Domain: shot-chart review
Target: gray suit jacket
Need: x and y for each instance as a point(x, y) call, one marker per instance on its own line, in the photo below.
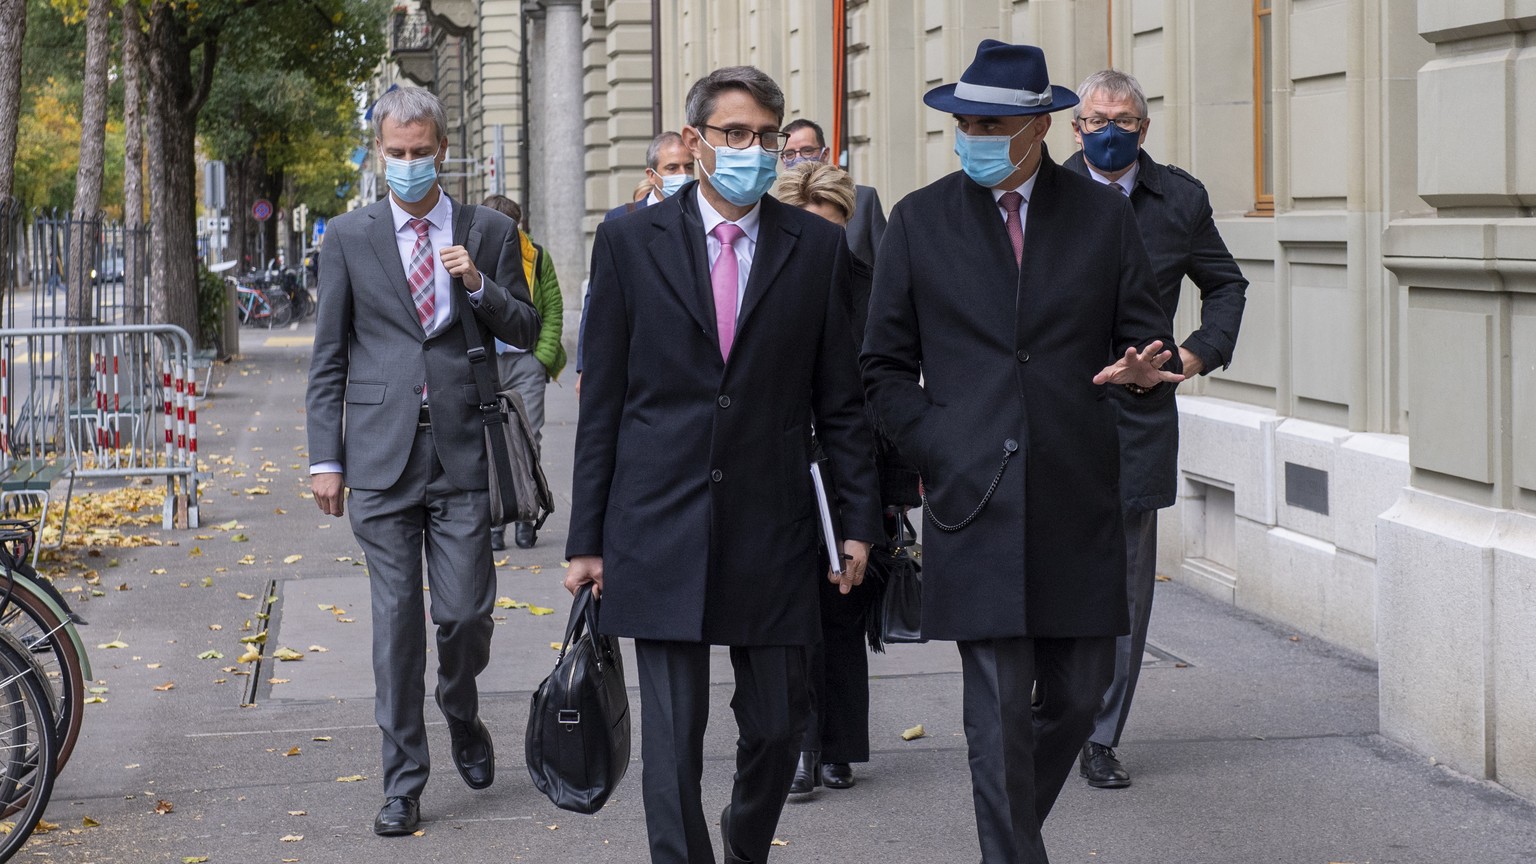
point(371, 356)
point(867, 225)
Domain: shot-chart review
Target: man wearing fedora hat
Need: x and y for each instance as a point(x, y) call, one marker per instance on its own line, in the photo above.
point(1010, 297)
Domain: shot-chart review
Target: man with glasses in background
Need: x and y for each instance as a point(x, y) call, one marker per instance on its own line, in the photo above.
point(1174, 216)
point(807, 144)
point(720, 322)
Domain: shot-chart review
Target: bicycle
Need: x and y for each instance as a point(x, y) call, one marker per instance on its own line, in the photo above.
point(257, 304)
point(28, 743)
point(37, 614)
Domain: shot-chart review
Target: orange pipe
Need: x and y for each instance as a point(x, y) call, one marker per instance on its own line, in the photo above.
point(839, 76)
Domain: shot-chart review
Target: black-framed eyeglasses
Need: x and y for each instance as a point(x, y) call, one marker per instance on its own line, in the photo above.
point(804, 153)
point(740, 139)
point(1124, 124)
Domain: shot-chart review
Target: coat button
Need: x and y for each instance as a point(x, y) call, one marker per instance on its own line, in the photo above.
point(1022, 355)
point(725, 401)
point(418, 389)
point(717, 475)
point(1010, 446)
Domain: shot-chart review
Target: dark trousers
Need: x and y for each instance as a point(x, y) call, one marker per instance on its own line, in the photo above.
point(839, 679)
point(1020, 758)
point(424, 511)
point(770, 705)
point(1140, 580)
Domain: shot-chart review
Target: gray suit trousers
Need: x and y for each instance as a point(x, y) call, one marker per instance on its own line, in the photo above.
point(424, 511)
point(1140, 580)
point(1021, 758)
point(526, 375)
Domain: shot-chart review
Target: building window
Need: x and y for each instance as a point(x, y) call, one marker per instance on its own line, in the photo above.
point(1263, 111)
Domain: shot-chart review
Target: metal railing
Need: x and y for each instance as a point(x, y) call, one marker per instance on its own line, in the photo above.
point(105, 400)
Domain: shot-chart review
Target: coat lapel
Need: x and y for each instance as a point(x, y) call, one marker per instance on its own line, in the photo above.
point(381, 235)
point(775, 242)
point(678, 250)
point(984, 220)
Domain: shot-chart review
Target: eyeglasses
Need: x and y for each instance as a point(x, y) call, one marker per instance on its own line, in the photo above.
point(741, 139)
point(804, 153)
point(1124, 124)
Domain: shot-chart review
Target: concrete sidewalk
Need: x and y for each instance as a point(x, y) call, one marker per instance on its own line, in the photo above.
point(1246, 744)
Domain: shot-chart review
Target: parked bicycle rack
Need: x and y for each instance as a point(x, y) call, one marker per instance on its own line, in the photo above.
point(80, 402)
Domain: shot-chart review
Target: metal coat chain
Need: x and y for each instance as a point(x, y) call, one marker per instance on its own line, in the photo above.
point(996, 479)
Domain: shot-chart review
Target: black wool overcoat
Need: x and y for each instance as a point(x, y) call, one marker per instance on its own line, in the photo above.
point(692, 475)
point(1008, 354)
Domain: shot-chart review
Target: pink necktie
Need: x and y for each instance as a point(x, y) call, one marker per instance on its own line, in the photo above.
point(1011, 202)
point(422, 272)
point(724, 278)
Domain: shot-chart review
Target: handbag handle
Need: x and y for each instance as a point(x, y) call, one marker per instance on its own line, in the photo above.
point(583, 620)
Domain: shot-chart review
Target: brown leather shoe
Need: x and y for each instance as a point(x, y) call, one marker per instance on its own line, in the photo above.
point(1100, 767)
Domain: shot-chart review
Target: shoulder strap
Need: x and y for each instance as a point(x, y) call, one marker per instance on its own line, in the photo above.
point(479, 356)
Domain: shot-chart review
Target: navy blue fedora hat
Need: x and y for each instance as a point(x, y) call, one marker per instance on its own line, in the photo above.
point(1004, 80)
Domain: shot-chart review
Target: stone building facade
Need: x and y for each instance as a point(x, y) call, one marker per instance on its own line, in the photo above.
point(1365, 472)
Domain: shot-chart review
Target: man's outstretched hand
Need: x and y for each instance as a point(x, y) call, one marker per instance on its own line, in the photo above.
point(1143, 368)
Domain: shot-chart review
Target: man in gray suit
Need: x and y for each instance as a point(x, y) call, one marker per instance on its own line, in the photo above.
point(806, 143)
point(387, 337)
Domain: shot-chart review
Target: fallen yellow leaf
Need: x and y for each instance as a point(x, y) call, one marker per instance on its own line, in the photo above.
point(88, 822)
point(251, 655)
point(277, 680)
point(293, 559)
point(914, 733)
point(541, 610)
point(777, 842)
point(195, 859)
point(352, 778)
point(115, 643)
point(244, 596)
point(169, 685)
point(298, 813)
point(287, 655)
point(318, 649)
point(293, 838)
point(292, 751)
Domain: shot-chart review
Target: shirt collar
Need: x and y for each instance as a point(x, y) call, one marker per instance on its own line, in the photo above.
point(748, 223)
point(1026, 189)
point(1127, 180)
point(438, 217)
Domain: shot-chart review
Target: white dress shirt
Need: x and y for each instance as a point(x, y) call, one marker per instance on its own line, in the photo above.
point(1026, 190)
point(440, 235)
point(1127, 181)
point(745, 247)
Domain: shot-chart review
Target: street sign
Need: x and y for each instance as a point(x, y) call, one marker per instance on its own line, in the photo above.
point(261, 211)
point(319, 230)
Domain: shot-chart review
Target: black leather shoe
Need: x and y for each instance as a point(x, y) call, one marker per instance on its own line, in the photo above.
point(524, 535)
point(473, 754)
point(399, 815)
point(498, 539)
point(837, 775)
point(807, 773)
point(1102, 770)
point(725, 837)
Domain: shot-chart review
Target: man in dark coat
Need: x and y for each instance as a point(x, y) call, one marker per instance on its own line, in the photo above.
point(1005, 289)
point(1174, 215)
point(724, 327)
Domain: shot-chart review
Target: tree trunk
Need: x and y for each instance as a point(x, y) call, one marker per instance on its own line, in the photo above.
point(13, 26)
point(135, 277)
point(175, 100)
point(85, 240)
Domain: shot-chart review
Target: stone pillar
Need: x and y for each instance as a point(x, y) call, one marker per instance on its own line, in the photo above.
point(536, 184)
point(627, 129)
point(1456, 607)
point(563, 182)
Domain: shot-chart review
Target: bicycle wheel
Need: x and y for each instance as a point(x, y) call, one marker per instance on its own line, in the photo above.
point(27, 745)
point(37, 626)
point(282, 307)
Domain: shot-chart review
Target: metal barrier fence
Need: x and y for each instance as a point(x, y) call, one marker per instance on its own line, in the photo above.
point(115, 272)
point(98, 401)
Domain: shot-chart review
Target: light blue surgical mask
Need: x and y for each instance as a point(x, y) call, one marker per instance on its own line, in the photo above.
point(742, 177)
point(984, 158)
point(411, 179)
point(799, 160)
point(673, 182)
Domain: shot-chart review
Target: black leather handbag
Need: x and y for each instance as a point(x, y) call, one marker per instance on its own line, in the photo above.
point(895, 611)
point(578, 726)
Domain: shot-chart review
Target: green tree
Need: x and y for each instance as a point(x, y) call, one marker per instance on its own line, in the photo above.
point(336, 41)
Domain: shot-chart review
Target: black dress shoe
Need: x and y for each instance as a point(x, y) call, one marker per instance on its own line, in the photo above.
point(473, 754)
point(807, 773)
point(725, 837)
point(399, 815)
point(498, 539)
point(837, 775)
point(1102, 770)
point(524, 535)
